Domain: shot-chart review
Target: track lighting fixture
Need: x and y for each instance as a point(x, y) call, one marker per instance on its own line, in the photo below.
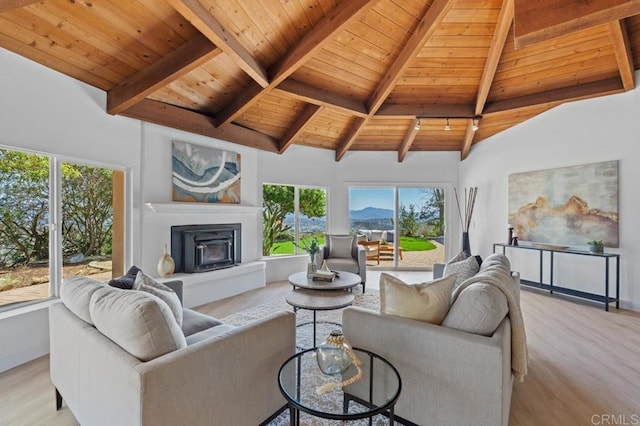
point(447, 126)
point(417, 126)
point(474, 124)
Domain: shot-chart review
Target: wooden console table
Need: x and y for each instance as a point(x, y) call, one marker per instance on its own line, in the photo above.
point(606, 299)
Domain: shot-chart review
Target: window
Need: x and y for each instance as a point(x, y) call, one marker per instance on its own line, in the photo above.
point(292, 216)
point(408, 222)
point(57, 218)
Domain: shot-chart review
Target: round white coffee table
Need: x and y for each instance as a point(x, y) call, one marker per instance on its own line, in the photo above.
point(346, 280)
point(318, 300)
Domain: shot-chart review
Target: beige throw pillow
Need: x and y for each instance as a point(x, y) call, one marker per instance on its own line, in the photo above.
point(340, 245)
point(428, 301)
point(147, 284)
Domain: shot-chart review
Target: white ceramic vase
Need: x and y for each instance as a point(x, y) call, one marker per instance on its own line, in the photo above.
point(166, 265)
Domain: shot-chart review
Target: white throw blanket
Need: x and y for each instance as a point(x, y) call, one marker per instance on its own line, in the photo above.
point(494, 275)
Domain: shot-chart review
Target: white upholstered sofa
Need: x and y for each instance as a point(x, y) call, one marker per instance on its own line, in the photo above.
point(449, 376)
point(218, 374)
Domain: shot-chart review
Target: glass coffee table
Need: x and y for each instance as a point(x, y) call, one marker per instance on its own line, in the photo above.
point(376, 393)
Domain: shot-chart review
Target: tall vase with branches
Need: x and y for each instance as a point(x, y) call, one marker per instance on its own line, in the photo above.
point(466, 214)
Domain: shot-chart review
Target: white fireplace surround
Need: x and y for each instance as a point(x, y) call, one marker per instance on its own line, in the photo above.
point(205, 287)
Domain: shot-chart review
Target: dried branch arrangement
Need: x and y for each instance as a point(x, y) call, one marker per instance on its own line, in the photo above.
point(469, 203)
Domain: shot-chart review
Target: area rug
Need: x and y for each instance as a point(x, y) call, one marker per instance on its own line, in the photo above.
point(326, 321)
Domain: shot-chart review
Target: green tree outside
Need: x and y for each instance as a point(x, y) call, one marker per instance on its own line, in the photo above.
point(24, 209)
point(278, 201)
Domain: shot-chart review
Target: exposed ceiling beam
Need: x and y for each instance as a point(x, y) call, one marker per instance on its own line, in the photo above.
point(430, 21)
point(333, 23)
point(584, 91)
point(408, 139)
point(468, 140)
point(624, 56)
point(425, 29)
point(308, 114)
point(170, 68)
point(350, 138)
point(495, 52)
point(304, 92)
point(201, 18)
point(15, 4)
point(427, 111)
point(190, 121)
point(541, 20)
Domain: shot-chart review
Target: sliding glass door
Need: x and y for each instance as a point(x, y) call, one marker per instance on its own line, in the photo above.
point(402, 226)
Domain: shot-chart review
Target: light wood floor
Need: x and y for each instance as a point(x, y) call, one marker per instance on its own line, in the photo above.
point(583, 363)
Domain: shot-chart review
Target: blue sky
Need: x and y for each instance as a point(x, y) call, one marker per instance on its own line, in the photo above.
point(359, 198)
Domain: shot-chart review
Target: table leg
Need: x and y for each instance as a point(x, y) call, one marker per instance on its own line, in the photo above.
point(314, 328)
point(606, 284)
point(617, 282)
point(392, 419)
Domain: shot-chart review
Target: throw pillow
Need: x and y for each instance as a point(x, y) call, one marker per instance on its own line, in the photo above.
point(428, 301)
point(147, 284)
point(464, 268)
point(138, 322)
point(340, 245)
point(127, 280)
point(478, 309)
point(76, 292)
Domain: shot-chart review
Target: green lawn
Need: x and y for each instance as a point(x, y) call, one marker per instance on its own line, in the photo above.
point(407, 244)
point(416, 244)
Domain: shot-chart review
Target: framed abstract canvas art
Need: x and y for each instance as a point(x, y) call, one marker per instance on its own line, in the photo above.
point(204, 174)
point(568, 205)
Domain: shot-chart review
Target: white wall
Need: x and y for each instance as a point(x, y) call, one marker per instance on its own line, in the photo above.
point(576, 133)
point(42, 110)
point(317, 167)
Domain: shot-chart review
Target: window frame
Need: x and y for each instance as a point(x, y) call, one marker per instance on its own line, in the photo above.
point(296, 220)
point(55, 218)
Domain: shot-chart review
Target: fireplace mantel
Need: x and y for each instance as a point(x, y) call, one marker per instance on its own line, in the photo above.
point(201, 208)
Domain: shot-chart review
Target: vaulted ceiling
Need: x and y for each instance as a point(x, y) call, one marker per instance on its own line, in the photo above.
point(344, 75)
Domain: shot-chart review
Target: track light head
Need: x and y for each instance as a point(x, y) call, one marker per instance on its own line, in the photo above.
point(474, 124)
point(417, 126)
point(447, 127)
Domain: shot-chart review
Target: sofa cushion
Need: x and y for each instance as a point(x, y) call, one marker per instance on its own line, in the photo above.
point(343, 264)
point(366, 233)
point(428, 301)
point(340, 245)
point(127, 280)
point(194, 322)
point(147, 284)
point(76, 292)
point(376, 235)
point(478, 309)
point(208, 333)
point(138, 322)
point(464, 267)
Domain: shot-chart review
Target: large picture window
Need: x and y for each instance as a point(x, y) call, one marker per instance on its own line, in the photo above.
point(292, 216)
point(57, 218)
point(406, 223)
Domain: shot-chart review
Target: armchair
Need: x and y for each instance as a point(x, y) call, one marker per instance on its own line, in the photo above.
point(342, 253)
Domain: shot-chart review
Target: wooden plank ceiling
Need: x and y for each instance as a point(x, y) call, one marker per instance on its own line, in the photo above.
point(343, 75)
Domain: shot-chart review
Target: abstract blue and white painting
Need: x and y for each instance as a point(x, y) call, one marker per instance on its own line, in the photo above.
point(206, 175)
